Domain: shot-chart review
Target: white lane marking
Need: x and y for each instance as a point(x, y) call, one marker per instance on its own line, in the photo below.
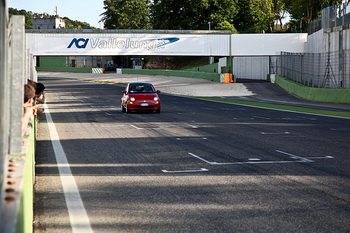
point(185, 139)
point(292, 156)
point(278, 133)
point(78, 217)
point(135, 127)
point(298, 159)
point(321, 157)
point(185, 171)
point(196, 156)
point(192, 126)
point(167, 127)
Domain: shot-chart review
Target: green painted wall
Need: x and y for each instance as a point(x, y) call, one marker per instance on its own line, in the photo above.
point(211, 68)
point(26, 209)
point(65, 69)
point(327, 95)
point(57, 61)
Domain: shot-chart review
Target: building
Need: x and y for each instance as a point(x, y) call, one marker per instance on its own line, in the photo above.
point(48, 23)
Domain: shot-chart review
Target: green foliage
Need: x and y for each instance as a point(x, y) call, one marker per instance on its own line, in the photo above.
point(71, 24)
point(193, 14)
point(27, 15)
point(303, 12)
point(237, 16)
point(256, 16)
point(126, 14)
point(75, 24)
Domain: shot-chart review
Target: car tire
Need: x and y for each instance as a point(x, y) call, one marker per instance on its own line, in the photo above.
point(157, 110)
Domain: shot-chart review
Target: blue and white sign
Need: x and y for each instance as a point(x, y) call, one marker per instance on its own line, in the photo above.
point(45, 44)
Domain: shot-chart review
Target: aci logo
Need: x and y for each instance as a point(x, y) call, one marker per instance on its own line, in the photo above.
point(79, 43)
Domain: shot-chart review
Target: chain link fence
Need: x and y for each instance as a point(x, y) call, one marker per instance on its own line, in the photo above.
point(332, 16)
point(321, 70)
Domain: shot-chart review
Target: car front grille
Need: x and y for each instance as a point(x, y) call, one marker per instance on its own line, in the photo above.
point(145, 107)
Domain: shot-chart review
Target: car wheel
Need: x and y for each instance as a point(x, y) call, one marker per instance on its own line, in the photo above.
point(157, 110)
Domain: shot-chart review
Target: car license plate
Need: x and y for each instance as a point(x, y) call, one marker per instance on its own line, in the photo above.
point(144, 104)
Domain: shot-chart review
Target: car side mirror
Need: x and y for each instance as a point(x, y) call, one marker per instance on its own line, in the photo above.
point(158, 91)
point(124, 92)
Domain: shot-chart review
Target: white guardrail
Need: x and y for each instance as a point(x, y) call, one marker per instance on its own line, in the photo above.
point(16, 67)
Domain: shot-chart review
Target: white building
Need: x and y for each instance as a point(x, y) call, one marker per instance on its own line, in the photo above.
point(48, 23)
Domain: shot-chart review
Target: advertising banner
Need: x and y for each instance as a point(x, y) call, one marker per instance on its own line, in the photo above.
point(95, 44)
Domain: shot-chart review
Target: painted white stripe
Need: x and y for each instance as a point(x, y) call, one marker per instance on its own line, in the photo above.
point(258, 161)
point(79, 220)
point(204, 160)
point(292, 156)
point(186, 139)
point(185, 171)
point(135, 127)
point(279, 133)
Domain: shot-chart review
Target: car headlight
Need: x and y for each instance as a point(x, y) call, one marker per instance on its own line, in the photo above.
point(132, 98)
point(156, 98)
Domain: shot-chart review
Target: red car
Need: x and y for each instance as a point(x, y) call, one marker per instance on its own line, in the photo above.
point(140, 96)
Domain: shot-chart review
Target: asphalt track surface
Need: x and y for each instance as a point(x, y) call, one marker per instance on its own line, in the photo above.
point(198, 166)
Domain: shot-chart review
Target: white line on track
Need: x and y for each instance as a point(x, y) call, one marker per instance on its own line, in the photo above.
point(298, 159)
point(184, 171)
point(278, 133)
point(135, 127)
point(186, 139)
point(78, 217)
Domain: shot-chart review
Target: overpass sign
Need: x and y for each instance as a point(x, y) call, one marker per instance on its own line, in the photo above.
point(104, 44)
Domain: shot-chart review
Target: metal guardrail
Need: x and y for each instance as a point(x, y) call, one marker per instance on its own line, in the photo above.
point(16, 151)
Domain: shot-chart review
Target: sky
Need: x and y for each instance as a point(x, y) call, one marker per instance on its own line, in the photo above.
point(82, 10)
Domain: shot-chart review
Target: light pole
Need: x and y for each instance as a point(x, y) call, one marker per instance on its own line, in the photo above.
point(211, 59)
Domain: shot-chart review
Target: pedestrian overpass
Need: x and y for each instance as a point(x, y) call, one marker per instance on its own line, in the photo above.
point(91, 42)
point(247, 50)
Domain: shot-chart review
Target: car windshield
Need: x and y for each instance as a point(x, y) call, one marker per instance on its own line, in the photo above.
point(141, 88)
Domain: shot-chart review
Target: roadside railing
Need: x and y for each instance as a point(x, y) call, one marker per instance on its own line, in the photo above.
point(16, 151)
point(321, 70)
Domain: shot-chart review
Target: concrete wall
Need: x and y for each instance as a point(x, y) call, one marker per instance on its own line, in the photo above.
point(327, 95)
point(328, 40)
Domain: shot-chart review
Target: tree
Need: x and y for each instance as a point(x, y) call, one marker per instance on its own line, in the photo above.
point(303, 12)
point(126, 14)
point(27, 15)
point(255, 16)
point(193, 14)
point(279, 11)
point(76, 24)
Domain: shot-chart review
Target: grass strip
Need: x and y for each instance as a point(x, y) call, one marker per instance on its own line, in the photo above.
point(280, 107)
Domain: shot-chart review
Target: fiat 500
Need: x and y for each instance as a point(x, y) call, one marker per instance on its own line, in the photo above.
point(140, 96)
